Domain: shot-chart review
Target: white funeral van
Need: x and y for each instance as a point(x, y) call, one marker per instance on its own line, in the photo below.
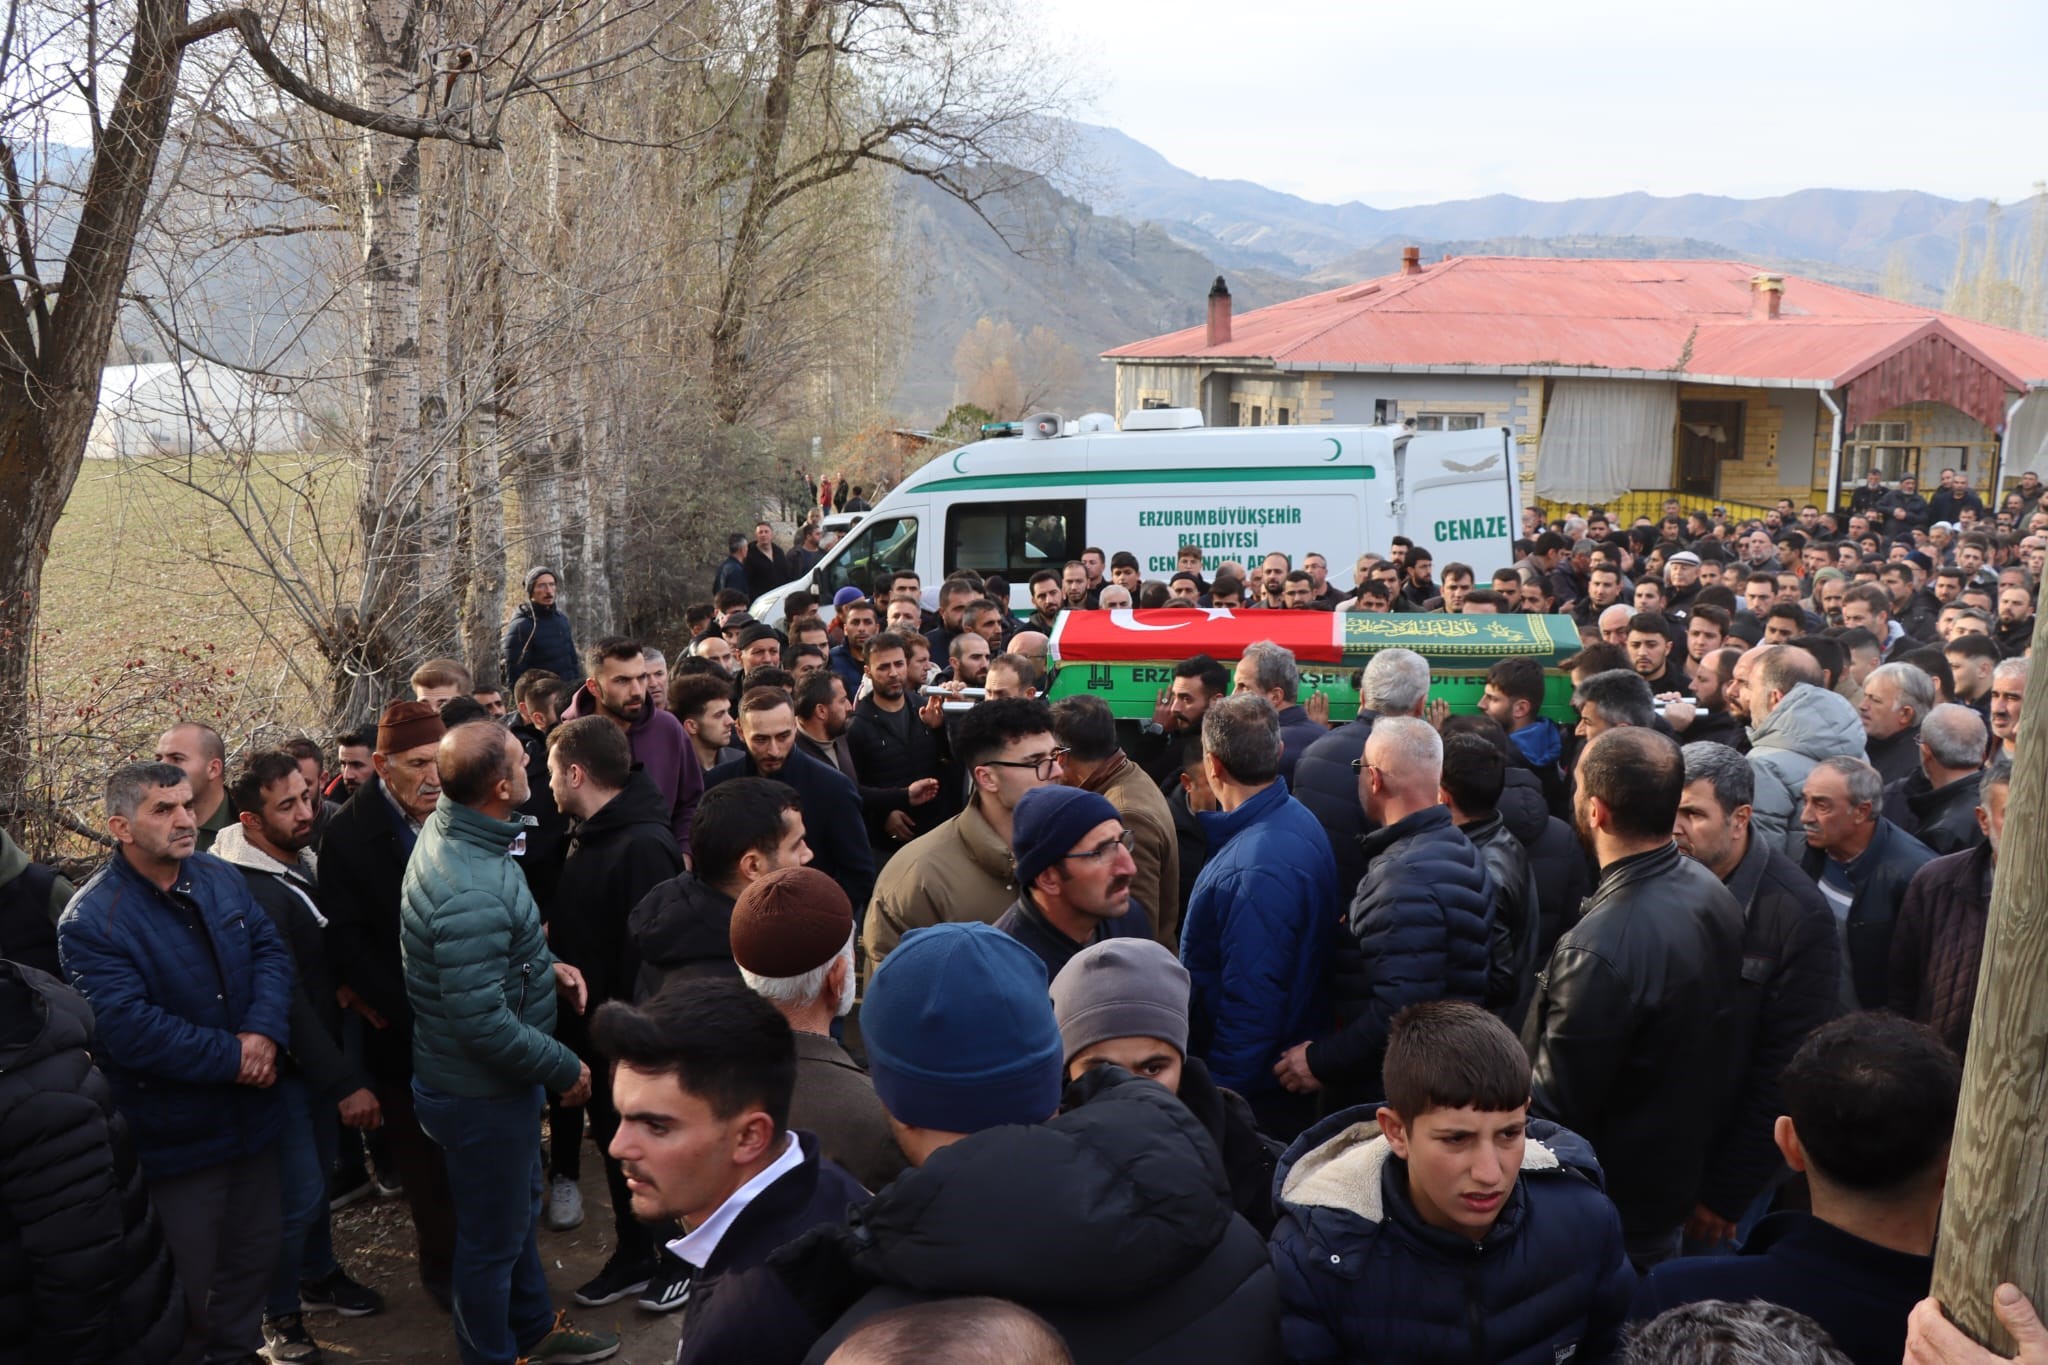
point(1013, 505)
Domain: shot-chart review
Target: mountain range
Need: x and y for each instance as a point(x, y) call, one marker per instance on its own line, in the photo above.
point(1134, 241)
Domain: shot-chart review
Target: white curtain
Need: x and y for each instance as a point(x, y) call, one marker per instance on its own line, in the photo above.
point(2026, 437)
point(1605, 437)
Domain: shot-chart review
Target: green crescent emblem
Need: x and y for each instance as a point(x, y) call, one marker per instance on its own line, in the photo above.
point(1336, 448)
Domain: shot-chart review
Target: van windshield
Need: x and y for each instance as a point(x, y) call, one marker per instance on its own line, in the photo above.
point(877, 546)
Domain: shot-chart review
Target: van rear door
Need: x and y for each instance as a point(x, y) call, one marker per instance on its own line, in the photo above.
point(1456, 492)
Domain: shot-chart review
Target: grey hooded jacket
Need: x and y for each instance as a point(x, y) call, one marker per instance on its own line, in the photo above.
point(1809, 725)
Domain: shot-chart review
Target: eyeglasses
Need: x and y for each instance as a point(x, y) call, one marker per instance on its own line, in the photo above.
point(1044, 766)
point(1126, 841)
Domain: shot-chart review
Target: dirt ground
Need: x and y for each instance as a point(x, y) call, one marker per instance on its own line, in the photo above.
point(373, 1239)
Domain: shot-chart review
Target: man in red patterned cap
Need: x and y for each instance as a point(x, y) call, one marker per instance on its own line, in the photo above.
point(368, 843)
point(792, 935)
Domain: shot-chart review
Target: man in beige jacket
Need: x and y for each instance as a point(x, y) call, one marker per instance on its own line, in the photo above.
point(962, 870)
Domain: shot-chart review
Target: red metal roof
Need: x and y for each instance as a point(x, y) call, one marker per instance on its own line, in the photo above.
point(1501, 311)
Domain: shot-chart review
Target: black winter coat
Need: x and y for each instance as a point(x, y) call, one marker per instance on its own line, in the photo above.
point(1327, 784)
point(1511, 933)
point(833, 824)
point(1364, 1278)
point(1939, 944)
point(1418, 931)
point(1791, 985)
point(547, 829)
point(616, 858)
point(681, 929)
point(1563, 877)
point(1717, 727)
point(1112, 1221)
point(1248, 1156)
point(892, 750)
point(1631, 1032)
point(85, 1277)
point(1896, 758)
point(1879, 876)
point(539, 637)
point(1944, 819)
point(362, 869)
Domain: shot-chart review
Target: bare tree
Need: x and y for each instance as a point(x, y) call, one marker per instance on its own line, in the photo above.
point(59, 309)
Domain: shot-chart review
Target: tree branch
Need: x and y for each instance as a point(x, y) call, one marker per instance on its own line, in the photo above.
point(249, 25)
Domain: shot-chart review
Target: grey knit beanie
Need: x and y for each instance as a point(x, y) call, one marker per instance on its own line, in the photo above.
point(1121, 988)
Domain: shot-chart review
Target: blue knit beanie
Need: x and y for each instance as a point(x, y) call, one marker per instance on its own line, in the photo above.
point(1047, 824)
point(959, 1031)
point(849, 593)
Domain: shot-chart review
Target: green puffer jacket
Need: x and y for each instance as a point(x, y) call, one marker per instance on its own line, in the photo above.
point(477, 967)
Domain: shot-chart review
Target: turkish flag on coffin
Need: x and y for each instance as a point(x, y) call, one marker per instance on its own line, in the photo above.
point(1125, 636)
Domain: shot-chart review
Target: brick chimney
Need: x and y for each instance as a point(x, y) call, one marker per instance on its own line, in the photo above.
point(1219, 313)
point(1411, 260)
point(1766, 293)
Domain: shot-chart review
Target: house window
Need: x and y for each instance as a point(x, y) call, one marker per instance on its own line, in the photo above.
point(1258, 417)
point(1447, 421)
point(1883, 446)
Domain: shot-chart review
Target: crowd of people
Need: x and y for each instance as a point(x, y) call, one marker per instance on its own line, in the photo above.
point(914, 1016)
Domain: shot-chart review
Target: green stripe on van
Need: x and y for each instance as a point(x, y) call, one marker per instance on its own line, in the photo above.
point(1087, 478)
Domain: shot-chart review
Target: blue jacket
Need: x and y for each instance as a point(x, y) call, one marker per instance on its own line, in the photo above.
point(168, 1003)
point(539, 637)
point(1418, 930)
point(1258, 924)
point(1363, 1278)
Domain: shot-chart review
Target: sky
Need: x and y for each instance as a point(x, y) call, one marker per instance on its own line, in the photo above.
point(1416, 103)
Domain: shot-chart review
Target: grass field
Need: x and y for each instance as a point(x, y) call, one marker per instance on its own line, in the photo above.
point(151, 613)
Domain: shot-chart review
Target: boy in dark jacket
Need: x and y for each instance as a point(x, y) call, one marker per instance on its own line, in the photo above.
point(1445, 1225)
point(1124, 1003)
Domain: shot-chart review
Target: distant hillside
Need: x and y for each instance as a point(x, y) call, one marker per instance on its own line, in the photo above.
point(1241, 222)
point(1095, 280)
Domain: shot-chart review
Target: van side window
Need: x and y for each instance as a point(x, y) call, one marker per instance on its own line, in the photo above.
point(1011, 540)
point(885, 545)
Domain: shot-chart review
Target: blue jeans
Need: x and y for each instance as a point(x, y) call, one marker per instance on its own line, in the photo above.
point(502, 1307)
point(305, 1152)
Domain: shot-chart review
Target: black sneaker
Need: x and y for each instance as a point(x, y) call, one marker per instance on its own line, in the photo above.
point(286, 1338)
point(619, 1279)
point(338, 1293)
point(669, 1287)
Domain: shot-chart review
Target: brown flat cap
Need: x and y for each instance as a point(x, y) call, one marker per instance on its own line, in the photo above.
point(409, 725)
point(792, 921)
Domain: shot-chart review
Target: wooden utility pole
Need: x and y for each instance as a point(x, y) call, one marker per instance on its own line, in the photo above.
point(1994, 1219)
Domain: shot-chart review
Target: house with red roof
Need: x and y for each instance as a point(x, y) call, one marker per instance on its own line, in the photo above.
point(1711, 381)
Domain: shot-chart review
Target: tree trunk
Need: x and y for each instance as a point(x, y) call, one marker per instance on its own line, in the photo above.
point(51, 359)
point(729, 386)
point(1994, 1212)
point(388, 503)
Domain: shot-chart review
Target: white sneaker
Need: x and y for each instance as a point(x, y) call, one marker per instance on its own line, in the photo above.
point(565, 1205)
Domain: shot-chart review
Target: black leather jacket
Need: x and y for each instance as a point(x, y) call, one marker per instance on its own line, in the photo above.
point(1631, 1032)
